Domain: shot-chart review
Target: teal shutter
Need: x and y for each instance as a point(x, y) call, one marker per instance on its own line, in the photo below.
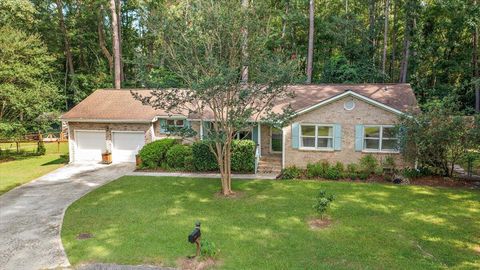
point(337, 137)
point(163, 125)
point(255, 134)
point(359, 138)
point(295, 135)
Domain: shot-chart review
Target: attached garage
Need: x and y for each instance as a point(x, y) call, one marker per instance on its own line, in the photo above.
point(90, 144)
point(126, 144)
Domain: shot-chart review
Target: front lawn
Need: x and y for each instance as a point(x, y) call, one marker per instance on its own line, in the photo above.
point(26, 168)
point(146, 220)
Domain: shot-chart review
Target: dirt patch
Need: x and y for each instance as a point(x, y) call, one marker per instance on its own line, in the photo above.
point(319, 224)
point(82, 236)
point(196, 264)
point(6, 159)
point(477, 249)
point(234, 195)
point(440, 181)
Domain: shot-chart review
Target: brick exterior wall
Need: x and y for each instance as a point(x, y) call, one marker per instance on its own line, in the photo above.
point(334, 113)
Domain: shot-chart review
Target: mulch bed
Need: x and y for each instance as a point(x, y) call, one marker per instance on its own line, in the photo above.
point(196, 263)
point(318, 224)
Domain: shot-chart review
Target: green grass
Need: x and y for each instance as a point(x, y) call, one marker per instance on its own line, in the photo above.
point(138, 220)
point(26, 168)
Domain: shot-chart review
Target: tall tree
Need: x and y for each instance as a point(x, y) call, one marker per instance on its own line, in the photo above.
point(311, 30)
point(101, 39)
point(407, 35)
point(385, 37)
point(245, 4)
point(120, 41)
point(116, 46)
point(476, 72)
point(66, 39)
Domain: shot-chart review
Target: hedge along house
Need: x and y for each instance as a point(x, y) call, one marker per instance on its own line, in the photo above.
point(336, 122)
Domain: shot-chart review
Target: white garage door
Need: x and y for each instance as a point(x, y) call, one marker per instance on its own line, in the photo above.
point(126, 145)
point(90, 146)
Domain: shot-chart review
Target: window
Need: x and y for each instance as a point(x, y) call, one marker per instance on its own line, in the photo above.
point(380, 138)
point(243, 135)
point(175, 122)
point(316, 136)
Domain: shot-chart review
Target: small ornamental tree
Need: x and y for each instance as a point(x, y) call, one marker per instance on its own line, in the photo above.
point(438, 138)
point(209, 53)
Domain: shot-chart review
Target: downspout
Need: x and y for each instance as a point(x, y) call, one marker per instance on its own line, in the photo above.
point(70, 148)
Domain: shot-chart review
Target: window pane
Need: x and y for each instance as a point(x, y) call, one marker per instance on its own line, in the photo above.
point(389, 144)
point(308, 142)
point(308, 130)
point(389, 132)
point(325, 131)
point(324, 143)
point(179, 123)
point(372, 144)
point(372, 132)
point(170, 122)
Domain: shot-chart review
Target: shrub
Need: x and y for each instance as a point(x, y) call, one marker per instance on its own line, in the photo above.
point(363, 175)
point(243, 156)
point(208, 249)
point(176, 155)
point(389, 162)
point(322, 202)
point(203, 159)
point(352, 171)
point(368, 164)
point(153, 154)
point(333, 173)
point(41, 150)
point(416, 173)
point(315, 170)
point(189, 163)
point(291, 173)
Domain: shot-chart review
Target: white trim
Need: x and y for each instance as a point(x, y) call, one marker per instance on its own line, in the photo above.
point(201, 130)
point(259, 138)
point(316, 137)
point(350, 93)
point(128, 131)
point(283, 146)
point(128, 121)
point(71, 145)
point(380, 140)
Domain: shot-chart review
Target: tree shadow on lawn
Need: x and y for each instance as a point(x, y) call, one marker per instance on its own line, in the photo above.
point(151, 221)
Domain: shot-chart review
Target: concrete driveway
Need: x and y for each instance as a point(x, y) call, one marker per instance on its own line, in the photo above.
point(31, 215)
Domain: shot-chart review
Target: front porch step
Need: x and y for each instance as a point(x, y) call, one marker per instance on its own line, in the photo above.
point(270, 164)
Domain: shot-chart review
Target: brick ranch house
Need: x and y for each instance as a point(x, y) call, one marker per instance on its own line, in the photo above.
point(334, 122)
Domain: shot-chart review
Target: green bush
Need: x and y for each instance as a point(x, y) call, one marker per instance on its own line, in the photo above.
point(322, 202)
point(368, 164)
point(363, 175)
point(292, 172)
point(153, 154)
point(333, 173)
point(176, 155)
point(352, 171)
point(317, 169)
point(41, 150)
point(188, 163)
point(416, 173)
point(243, 156)
point(208, 249)
point(203, 159)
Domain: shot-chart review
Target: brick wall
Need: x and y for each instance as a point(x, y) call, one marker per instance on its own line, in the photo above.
point(334, 113)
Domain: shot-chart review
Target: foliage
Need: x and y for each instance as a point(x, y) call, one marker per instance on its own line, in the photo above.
point(413, 173)
point(153, 154)
point(208, 249)
point(317, 169)
point(352, 171)
point(322, 202)
point(292, 172)
point(177, 156)
point(389, 162)
point(243, 156)
point(203, 158)
point(438, 138)
point(368, 164)
point(41, 150)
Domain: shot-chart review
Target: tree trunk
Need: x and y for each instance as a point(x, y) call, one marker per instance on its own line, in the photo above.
point(284, 20)
point(244, 79)
point(63, 28)
point(385, 39)
point(371, 29)
point(476, 72)
point(406, 44)
point(310, 41)
point(119, 21)
point(116, 46)
point(394, 38)
point(101, 39)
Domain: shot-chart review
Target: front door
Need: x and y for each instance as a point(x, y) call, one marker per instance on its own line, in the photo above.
point(276, 140)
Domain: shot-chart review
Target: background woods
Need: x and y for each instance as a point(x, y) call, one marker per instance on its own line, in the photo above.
point(69, 44)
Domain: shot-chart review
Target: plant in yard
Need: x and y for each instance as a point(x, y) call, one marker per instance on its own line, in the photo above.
point(41, 150)
point(352, 171)
point(368, 164)
point(438, 138)
point(243, 156)
point(211, 56)
point(291, 172)
point(315, 170)
point(153, 154)
point(208, 249)
point(322, 202)
point(203, 159)
point(177, 155)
